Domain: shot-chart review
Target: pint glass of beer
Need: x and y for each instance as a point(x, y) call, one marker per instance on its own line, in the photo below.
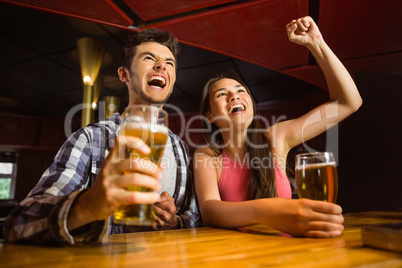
point(316, 176)
point(150, 124)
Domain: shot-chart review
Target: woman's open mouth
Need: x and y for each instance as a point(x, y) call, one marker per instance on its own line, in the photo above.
point(236, 108)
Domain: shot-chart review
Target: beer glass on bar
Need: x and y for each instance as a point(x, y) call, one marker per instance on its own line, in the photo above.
point(150, 124)
point(316, 176)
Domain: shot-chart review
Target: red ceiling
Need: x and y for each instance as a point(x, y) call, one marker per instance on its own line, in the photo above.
point(360, 28)
point(105, 11)
point(364, 34)
point(150, 10)
point(248, 30)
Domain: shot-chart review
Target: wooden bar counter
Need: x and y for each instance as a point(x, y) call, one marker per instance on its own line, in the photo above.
point(256, 246)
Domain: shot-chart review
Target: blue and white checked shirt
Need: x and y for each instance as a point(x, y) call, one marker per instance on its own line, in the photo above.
point(41, 218)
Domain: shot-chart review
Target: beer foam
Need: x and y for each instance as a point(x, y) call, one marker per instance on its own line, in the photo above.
point(145, 126)
point(315, 165)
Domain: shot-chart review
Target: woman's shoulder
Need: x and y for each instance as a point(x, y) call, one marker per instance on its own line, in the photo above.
point(205, 158)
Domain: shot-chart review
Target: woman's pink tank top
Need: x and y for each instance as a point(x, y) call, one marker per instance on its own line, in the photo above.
point(233, 183)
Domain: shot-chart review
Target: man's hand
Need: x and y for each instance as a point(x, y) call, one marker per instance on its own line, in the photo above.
point(165, 213)
point(109, 189)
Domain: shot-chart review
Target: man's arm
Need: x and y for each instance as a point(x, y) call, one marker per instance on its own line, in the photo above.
point(42, 217)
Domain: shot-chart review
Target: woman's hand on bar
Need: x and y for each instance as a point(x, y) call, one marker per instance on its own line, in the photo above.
point(303, 217)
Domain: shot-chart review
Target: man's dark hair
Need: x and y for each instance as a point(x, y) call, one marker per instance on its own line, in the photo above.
point(148, 35)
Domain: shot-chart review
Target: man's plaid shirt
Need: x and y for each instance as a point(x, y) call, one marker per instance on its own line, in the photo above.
point(41, 218)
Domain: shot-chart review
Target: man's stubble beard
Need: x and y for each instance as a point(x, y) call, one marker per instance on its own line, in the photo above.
point(147, 99)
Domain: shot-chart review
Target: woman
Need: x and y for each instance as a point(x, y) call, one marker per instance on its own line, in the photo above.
point(220, 172)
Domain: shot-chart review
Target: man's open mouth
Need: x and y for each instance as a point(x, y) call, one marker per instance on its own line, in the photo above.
point(236, 108)
point(156, 81)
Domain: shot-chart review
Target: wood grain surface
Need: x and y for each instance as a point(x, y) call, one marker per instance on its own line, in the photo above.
point(255, 246)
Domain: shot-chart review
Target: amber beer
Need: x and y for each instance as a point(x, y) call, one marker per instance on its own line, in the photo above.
point(316, 177)
point(155, 136)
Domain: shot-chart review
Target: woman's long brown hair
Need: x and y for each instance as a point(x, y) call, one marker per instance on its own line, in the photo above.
point(261, 183)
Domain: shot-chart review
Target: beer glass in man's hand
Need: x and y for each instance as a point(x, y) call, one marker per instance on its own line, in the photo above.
point(316, 176)
point(150, 124)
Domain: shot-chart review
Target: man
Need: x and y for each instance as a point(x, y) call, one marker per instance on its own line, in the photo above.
point(72, 202)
